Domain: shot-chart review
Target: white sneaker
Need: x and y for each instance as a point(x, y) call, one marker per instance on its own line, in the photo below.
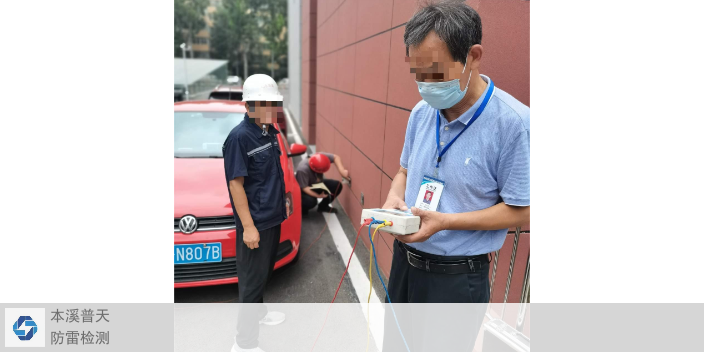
point(236, 348)
point(273, 318)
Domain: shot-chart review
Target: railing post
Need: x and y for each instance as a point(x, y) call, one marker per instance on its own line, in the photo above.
point(493, 275)
point(525, 291)
point(510, 268)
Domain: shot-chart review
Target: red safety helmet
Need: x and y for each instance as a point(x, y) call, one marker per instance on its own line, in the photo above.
point(319, 163)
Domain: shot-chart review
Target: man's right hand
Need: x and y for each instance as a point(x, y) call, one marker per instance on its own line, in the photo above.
point(394, 202)
point(251, 237)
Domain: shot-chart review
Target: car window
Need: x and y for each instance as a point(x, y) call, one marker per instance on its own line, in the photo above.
point(201, 134)
point(287, 148)
point(226, 96)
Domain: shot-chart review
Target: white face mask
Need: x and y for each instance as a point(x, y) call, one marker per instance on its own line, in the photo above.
point(443, 95)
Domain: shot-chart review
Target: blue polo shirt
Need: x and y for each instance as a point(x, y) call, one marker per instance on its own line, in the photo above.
point(253, 154)
point(488, 164)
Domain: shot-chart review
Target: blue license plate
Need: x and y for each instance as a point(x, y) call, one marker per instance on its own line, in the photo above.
point(197, 253)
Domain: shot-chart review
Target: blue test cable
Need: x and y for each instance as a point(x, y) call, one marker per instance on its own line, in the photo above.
point(374, 221)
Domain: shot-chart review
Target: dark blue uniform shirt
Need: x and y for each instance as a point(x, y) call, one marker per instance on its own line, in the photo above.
point(251, 153)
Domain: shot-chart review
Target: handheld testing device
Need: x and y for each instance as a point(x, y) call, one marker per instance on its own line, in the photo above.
point(402, 222)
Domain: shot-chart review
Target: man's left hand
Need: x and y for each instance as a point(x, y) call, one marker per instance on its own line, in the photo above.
point(430, 223)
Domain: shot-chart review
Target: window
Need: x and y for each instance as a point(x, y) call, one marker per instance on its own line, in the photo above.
point(237, 96)
point(201, 134)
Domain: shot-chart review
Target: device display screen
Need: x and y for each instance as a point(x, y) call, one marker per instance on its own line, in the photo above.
point(394, 212)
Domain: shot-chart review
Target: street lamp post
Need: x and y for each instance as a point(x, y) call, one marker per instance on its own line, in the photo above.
point(184, 47)
point(272, 62)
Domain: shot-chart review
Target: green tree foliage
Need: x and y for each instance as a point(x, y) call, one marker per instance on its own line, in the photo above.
point(188, 19)
point(244, 30)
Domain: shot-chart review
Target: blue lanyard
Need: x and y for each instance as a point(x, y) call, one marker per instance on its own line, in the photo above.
point(479, 111)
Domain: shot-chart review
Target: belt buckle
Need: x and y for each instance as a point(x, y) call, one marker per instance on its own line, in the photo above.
point(471, 265)
point(417, 257)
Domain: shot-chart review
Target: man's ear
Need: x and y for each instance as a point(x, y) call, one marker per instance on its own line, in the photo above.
point(474, 57)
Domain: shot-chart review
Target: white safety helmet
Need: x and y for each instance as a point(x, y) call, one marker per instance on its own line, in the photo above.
point(261, 88)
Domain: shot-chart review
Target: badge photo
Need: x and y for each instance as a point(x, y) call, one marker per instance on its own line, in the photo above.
point(428, 197)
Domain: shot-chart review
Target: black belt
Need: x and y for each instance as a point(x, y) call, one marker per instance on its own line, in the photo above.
point(471, 264)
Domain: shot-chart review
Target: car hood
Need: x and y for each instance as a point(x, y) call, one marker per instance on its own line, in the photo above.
point(200, 188)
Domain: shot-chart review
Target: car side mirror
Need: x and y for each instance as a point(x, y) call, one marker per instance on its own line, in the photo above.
point(297, 149)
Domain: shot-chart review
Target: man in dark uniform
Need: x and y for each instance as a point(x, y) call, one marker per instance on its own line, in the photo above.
point(255, 181)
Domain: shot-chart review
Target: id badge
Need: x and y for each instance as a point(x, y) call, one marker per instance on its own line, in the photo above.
point(429, 194)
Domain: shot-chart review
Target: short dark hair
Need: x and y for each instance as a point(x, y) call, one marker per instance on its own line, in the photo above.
point(457, 24)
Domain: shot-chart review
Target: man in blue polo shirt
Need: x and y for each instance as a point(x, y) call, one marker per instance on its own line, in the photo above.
point(257, 195)
point(464, 166)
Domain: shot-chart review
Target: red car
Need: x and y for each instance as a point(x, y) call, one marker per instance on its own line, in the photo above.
point(204, 226)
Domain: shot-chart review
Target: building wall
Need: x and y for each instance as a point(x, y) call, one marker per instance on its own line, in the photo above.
point(309, 42)
point(360, 93)
point(294, 59)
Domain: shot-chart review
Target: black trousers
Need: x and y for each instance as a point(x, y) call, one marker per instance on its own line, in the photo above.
point(309, 202)
point(434, 327)
point(254, 269)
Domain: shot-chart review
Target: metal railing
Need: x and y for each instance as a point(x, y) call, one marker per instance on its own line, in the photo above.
point(510, 267)
point(525, 294)
point(498, 332)
point(525, 289)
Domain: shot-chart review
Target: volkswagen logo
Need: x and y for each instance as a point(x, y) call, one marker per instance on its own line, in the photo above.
point(188, 224)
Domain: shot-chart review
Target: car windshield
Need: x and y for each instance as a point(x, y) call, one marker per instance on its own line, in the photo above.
point(201, 134)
